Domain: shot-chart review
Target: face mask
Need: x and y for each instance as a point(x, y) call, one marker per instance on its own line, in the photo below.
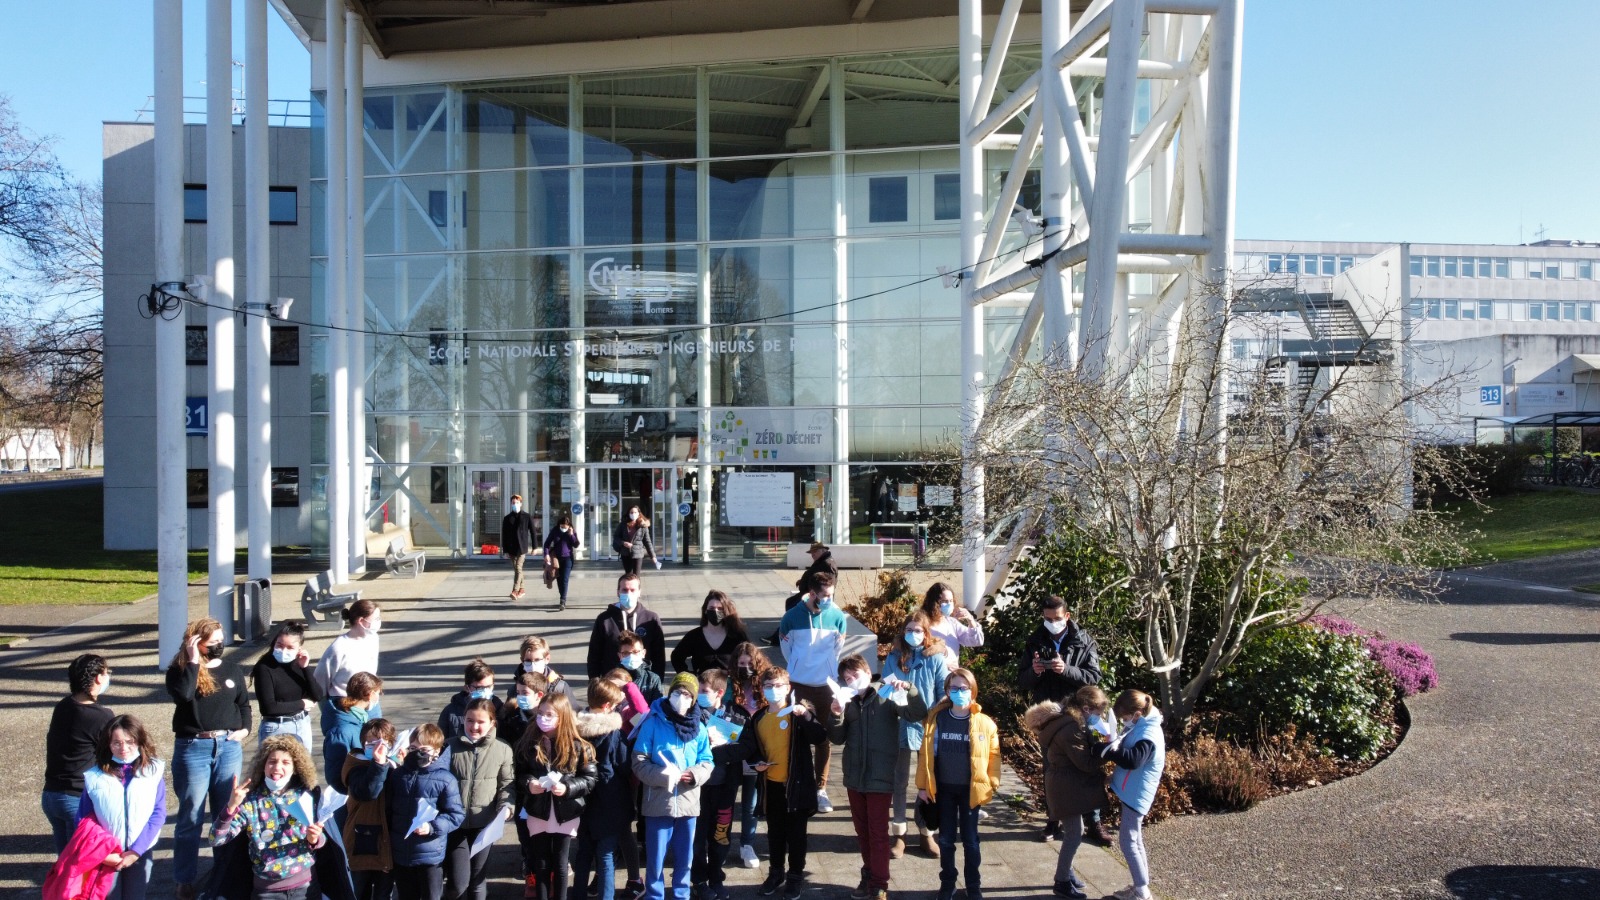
point(633, 661)
point(481, 693)
point(285, 656)
point(633, 516)
point(960, 699)
point(124, 762)
point(704, 701)
point(1055, 626)
point(681, 703)
point(946, 609)
point(106, 685)
point(371, 747)
point(546, 722)
point(524, 702)
point(914, 638)
point(625, 601)
point(713, 617)
point(823, 602)
point(858, 682)
point(373, 625)
point(274, 784)
point(425, 756)
point(773, 695)
point(536, 665)
point(516, 507)
point(746, 671)
point(886, 691)
point(213, 651)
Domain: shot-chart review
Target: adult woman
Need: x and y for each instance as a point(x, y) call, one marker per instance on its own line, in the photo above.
point(561, 551)
point(342, 719)
point(211, 717)
point(285, 691)
point(951, 622)
point(631, 541)
point(1074, 776)
point(124, 791)
point(354, 651)
point(711, 645)
point(744, 693)
point(69, 745)
point(917, 658)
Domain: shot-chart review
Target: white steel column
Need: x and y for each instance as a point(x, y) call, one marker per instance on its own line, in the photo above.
point(702, 358)
point(355, 287)
point(334, 296)
point(172, 452)
point(1054, 177)
point(839, 494)
point(972, 340)
point(258, 286)
point(219, 259)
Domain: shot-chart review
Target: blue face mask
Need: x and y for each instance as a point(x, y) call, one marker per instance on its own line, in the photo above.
point(481, 693)
point(946, 609)
point(960, 699)
point(123, 762)
point(773, 695)
point(885, 691)
point(704, 701)
point(633, 661)
point(625, 601)
point(914, 638)
point(524, 701)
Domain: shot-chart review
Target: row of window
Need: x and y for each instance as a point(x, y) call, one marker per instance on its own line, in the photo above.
point(1502, 267)
point(283, 204)
point(1504, 310)
point(1299, 263)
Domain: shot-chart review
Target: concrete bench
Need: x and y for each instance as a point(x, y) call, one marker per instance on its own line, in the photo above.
point(318, 599)
point(399, 560)
point(845, 556)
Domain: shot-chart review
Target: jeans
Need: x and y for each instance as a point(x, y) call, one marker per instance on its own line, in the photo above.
point(203, 769)
point(869, 812)
point(1131, 836)
point(564, 575)
point(134, 881)
point(299, 726)
point(820, 696)
point(712, 834)
point(749, 801)
point(372, 884)
point(1070, 839)
point(662, 833)
point(61, 808)
point(295, 893)
point(601, 853)
point(464, 872)
point(955, 815)
point(786, 833)
point(902, 783)
point(419, 882)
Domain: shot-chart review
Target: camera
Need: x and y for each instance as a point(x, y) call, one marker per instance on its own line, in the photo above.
point(1048, 654)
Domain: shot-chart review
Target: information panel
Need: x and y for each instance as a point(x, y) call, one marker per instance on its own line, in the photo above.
point(759, 499)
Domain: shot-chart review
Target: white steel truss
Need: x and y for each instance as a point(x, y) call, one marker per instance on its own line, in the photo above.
point(1130, 123)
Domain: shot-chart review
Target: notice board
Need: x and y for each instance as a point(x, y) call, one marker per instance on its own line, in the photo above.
point(759, 499)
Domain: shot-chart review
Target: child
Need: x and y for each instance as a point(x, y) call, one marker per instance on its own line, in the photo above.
point(630, 652)
point(515, 717)
point(608, 814)
point(419, 852)
point(633, 710)
point(744, 692)
point(869, 725)
point(483, 769)
point(534, 656)
point(282, 847)
point(959, 769)
point(920, 658)
point(634, 707)
point(557, 770)
point(1074, 776)
point(366, 820)
point(1140, 753)
point(342, 718)
point(479, 685)
point(715, 827)
point(671, 758)
point(125, 792)
point(784, 736)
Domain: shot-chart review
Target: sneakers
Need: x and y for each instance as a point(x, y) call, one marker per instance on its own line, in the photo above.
point(1132, 893)
point(697, 892)
point(747, 856)
point(793, 887)
point(634, 888)
point(1052, 831)
point(770, 886)
point(880, 894)
point(824, 805)
point(1069, 891)
point(717, 892)
point(594, 885)
point(982, 814)
point(516, 593)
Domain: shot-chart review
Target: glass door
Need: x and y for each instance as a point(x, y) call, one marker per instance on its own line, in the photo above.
point(614, 489)
point(489, 492)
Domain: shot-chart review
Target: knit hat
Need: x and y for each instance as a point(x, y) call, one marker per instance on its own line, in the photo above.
point(686, 681)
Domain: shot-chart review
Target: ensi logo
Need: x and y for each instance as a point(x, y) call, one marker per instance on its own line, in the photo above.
point(632, 284)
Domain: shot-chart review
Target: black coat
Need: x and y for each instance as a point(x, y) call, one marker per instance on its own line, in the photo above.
point(805, 736)
point(516, 534)
point(823, 563)
point(579, 783)
point(603, 639)
point(1078, 651)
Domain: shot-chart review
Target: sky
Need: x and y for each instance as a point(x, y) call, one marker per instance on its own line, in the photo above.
point(1377, 120)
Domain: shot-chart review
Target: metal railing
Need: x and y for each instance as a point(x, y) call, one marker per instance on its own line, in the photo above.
point(280, 112)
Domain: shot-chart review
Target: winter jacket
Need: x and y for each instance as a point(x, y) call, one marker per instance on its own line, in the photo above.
point(812, 643)
point(928, 672)
point(453, 718)
point(636, 534)
point(1140, 756)
point(562, 544)
point(366, 816)
point(341, 736)
point(1074, 776)
point(512, 722)
point(130, 806)
point(805, 734)
point(727, 759)
point(985, 749)
point(612, 622)
point(77, 874)
point(657, 745)
point(648, 680)
point(484, 772)
point(871, 731)
point(1078, 650)
point(516, 534)
point(406, 788)
point(579, 782)
point(609, 806)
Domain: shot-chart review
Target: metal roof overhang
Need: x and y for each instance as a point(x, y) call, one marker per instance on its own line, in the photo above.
point(430, 26)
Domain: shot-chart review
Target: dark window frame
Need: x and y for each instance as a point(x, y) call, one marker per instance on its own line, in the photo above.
point(882, 201)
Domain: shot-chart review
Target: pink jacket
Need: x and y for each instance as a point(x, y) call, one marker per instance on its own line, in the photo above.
point(77, 874)
point(633, 705)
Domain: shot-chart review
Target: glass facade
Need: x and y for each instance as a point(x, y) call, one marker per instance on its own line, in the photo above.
point(650, 288)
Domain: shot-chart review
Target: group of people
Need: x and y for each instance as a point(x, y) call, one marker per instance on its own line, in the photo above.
point(648, 773)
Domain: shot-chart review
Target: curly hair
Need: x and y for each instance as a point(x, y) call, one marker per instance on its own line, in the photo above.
point(304, 771)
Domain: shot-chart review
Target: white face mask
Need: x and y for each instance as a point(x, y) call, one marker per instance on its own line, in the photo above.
point(858, 682)
point(1055, 626)
point(275, 784)
point(633, 516)
point(681, 703)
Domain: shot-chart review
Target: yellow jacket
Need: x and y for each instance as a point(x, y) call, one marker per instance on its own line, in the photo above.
point(985, 754)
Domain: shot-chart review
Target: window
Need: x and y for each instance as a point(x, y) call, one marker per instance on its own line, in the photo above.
point(1585, 269)
point(1449, 267)
point(1485, 309)
point(1291, 263)
point(1569, 312)
point(195, 344)
point(1552, 270)
point(886, 199)
point(285, 345)
point(439, 208)
point(1483, 266)
point(199, 481)
point(1414, 309)
point(1469, 310)
point(1346, 262)
point(947, 196)
point(1586, 312)
point(1433, 267)
point(1502, 267)
point(1433, 309)
point(1451, 309)
point(1535, 269)
point(1274, 262)
point(285, 486)
point(1416, 265)
point(1536, 311)
point(1519, 268)
point(283, 206)
point(194, 203)
point(1468, 266)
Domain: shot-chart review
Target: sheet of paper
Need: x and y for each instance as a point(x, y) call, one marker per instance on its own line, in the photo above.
point(841, 693)
point(490, 835)
point(332, 802)
point(426, 812)
point(302, 809)
point(723, 728)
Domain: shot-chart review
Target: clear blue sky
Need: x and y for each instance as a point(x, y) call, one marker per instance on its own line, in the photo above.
point(1422, 120)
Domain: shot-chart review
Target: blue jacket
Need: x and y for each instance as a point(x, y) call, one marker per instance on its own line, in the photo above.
point(341, 736)
point(927, 674)
point(406, 787)
point(1140, 757)
point(657, 742)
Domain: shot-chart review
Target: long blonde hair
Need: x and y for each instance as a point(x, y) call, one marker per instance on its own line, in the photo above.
point(568, 750)
point(205, 685)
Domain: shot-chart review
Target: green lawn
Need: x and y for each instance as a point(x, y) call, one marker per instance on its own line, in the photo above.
point(50, 542)
point(1535, 524)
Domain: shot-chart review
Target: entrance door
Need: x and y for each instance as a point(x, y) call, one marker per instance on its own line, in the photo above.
point(614, 489)
point(489, 492)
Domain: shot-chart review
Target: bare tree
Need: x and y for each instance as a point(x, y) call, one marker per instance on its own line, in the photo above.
point(1245, 493)
point(30, 183)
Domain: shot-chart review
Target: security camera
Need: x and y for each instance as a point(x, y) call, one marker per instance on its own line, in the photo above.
point(280, 310)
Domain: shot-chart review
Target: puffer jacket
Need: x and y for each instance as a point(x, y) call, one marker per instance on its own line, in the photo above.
point(1074, 775)
point(78, 873)
point(609, 807)
point(655, 746)
point(579, 783)
point(484, 772)
point(985, 750)
point(406, 788)
point(366, 816)
point(341, 736)
point(870, 731)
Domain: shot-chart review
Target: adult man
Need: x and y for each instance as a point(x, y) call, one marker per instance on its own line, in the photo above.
point(626, 615)
point(516, 541)
point(812, 637)
point(821, 563)
point(1059, 658)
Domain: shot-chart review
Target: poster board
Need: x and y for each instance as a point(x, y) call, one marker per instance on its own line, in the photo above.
point(759, 499)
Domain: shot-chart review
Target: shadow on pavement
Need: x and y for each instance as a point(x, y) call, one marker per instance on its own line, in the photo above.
point(1523, 639)
point(1545, 882)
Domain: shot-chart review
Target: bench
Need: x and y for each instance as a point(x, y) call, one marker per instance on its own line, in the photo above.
point(318, 598)
point(400, 561)
point(845, 556)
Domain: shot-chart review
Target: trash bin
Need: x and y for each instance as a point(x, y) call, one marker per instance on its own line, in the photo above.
point(253, 608)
